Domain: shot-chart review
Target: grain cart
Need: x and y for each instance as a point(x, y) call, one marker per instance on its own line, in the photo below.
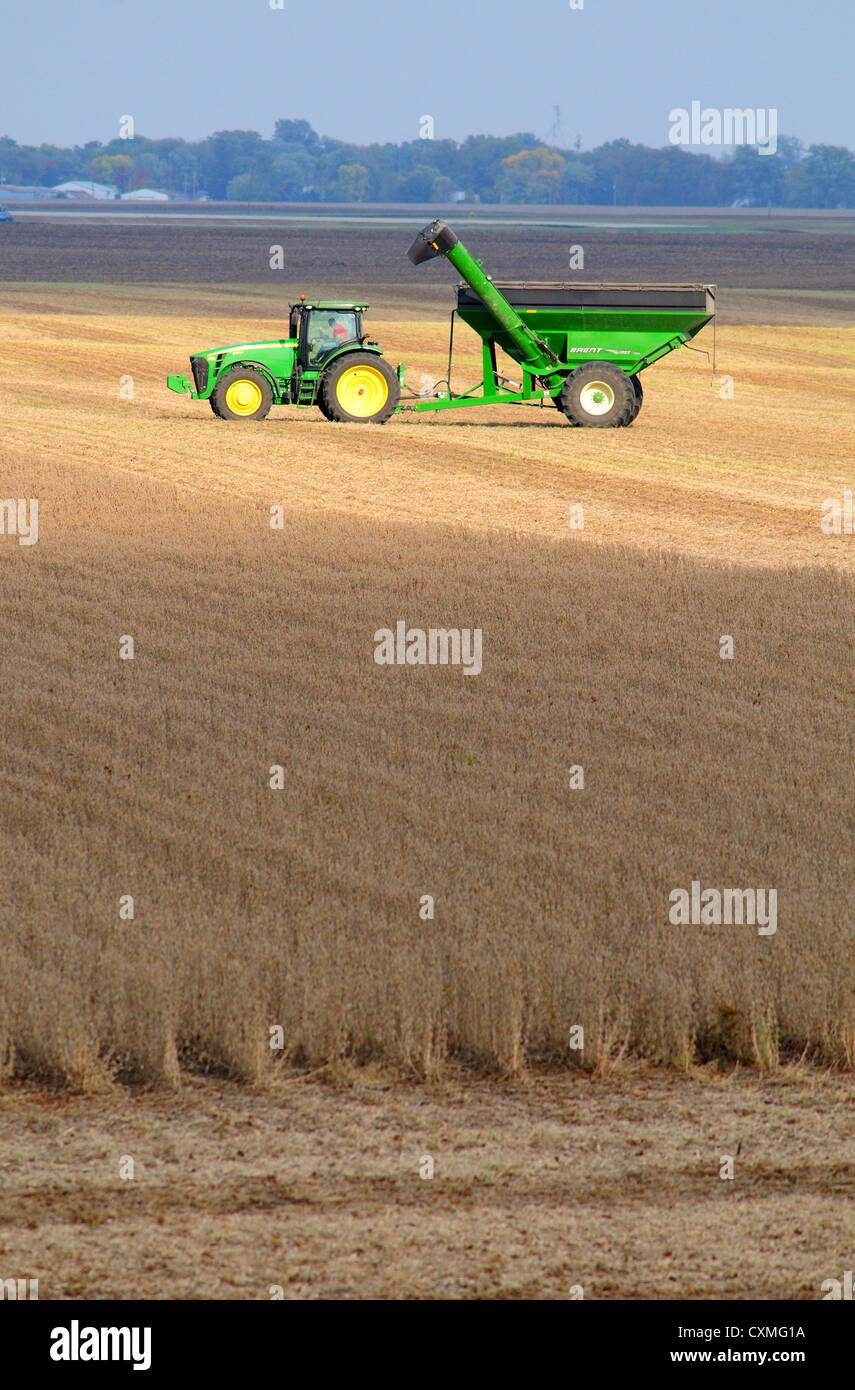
point(580, 346)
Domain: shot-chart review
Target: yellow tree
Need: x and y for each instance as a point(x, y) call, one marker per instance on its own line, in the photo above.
point(113, 168)
point(532, 176)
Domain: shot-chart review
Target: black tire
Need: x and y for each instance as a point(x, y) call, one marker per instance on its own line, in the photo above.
point(263, 390)
point(609, 408)
point(639, 398)
point(336, 374)
point(556, 401)
point(319, 402)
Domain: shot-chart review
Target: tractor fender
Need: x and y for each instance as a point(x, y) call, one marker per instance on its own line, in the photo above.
point(355, 346)
point(256, 367)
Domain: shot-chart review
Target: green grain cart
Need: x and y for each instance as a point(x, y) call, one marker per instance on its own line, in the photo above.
point(580, 347)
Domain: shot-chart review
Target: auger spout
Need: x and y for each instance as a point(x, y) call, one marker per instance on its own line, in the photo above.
point(438, 240)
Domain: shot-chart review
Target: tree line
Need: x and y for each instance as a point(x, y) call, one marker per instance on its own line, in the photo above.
point(298, 165)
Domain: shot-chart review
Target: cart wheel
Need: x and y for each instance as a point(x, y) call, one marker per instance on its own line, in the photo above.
point(556, 401)
point(639, 398)
point(599, 396)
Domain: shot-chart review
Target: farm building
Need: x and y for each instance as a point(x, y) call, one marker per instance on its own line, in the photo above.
point(146, 195)
point(24, 191)
point(77, 188)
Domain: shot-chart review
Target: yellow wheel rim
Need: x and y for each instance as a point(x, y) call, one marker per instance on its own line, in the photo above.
point(362, 391)
point(243, 397)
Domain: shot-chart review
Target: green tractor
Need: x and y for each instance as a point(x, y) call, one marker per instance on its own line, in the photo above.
point(327, 360)
point(580, 347)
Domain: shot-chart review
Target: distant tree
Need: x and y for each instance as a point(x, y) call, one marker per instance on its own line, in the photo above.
point(532, 176)
point(351, 184)
point(253, 187)
point(798, 188)
point(299, 164)
point(790, 151)
point(225, 155)
point(298, 133)
point(480, 157)
point(442, 189)
point(576, 180)
point(417, 185)
point(293, 171)
point(755, 177)
point(831, 171)
point(112, 168)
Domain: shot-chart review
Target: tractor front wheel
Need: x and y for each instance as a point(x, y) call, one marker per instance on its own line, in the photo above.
point(359, 388)
point(599, 396)
point(244, 393)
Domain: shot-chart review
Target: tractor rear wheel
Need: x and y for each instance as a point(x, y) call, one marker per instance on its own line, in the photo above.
point(599, 396)
point(244, 393)
point(359, 388)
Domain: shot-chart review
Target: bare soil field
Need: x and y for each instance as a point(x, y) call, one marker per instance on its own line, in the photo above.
point(362, 260)
point(541, 1187)
point(299, 908)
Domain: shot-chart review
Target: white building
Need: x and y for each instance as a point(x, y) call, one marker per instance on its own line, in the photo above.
point(146, 195)
point(77, 188)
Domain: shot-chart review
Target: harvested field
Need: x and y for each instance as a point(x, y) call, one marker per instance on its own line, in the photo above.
point(255, 648)
point(255, 907)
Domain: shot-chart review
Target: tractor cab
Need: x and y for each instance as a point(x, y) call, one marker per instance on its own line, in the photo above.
point(322, 329)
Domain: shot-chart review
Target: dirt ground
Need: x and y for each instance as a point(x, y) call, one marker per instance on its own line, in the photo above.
point(538, 1186)
point(787, 259)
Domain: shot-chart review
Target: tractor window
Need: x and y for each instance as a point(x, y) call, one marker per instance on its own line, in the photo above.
point(328, 329)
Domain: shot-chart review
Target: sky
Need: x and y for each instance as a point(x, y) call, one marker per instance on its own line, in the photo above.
point(369, 71)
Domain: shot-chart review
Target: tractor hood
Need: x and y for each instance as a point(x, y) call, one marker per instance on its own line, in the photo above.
point(272, 343)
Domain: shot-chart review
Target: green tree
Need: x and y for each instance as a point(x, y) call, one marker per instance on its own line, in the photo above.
point(576, 180)
point(254, 187)
point(293, 170)
point(831, 171)
point(298, 133)
point(225, 155)
point(351, 184)
point(755, 177)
